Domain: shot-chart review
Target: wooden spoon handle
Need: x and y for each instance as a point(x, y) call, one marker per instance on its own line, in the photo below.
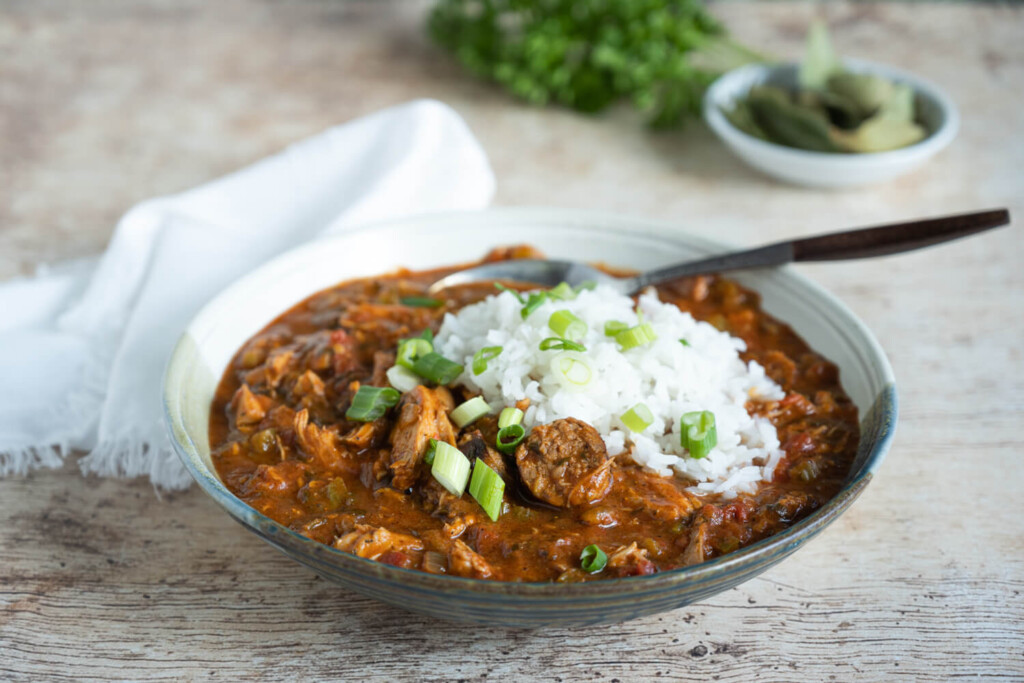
point(836, 246)
point(895, 238)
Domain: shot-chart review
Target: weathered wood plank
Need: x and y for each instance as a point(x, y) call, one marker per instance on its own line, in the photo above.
point(922, 580)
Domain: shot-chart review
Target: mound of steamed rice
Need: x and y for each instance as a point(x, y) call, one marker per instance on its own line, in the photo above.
point(669, 377)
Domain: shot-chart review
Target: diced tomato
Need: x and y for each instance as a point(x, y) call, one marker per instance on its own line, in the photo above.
point(396, 559)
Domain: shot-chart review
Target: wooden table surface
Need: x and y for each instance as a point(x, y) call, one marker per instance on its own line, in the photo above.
point(105, 103)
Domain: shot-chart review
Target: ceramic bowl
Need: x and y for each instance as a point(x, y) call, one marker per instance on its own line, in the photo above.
point(215, 334)
point(936, 112)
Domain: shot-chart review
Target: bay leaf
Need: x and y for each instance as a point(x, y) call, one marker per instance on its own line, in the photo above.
point(891, 127)
point(820, 60)
point(787, 123)
point(867, 91)
point(741, 117)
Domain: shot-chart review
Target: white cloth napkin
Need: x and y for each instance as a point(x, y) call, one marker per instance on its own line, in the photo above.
point(83, 347)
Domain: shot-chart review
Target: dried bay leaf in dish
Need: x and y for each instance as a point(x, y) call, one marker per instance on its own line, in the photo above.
point(741, 117)
point(787, 123)
point(867, 92)
point(892, 127)
point(820, 59)
point(831, 110)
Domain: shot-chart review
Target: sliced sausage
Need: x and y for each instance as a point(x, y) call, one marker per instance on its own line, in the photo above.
point(565, 463)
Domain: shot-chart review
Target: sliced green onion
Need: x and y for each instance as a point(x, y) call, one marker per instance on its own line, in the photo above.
point(403, 379)
point(450, 468)
point(638, 418)
point(428, 334)
point(428, 457)
point(502, 288)
point(410, 350)
point(470, 411)
point(593, 559)
point(437, 368)
point(586, 285)
point(509, 416)
point(567, 325)
point(684, 342)
point(562, 291)
point(560, 344)
point(509, 437)
point(421, 302)
point(636, 336)
point(369, 403)
point(533, 302)
point(572, 370)
point(613, 327)
point(483, 356)
point(488, 489)
point(698, 433)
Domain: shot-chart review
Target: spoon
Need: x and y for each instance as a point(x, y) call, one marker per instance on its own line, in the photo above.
point(836, 246)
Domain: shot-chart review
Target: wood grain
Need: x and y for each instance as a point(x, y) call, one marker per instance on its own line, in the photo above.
point(922, 580)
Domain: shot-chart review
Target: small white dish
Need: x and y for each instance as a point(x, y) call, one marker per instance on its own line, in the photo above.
point(824, 169)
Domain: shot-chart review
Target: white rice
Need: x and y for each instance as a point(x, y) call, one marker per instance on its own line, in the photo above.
point(669, 377)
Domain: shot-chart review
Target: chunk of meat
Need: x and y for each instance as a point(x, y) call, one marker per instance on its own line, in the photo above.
point(458, 512)
point(422, 416)
point(249, 409)
point(308, 384)
point(658, 496)
point(382, 362)
point(367, 434)
point(474, 446)
point(371, 542)
point(282, 479)
point(277, 366)
point(630, 560)
point(514, 252)
point(320, 444)
point(696, 547)
point(463, 561)
point(565, 463)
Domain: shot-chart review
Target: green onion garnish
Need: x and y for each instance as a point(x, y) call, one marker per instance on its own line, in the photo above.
point(638, 418)
point(428, 457)
point(533, 302)
point(428, 334)
point(509, 416)
point(488, 488)
point(509, 437)
point(437, 368)
point(684, 342)
point(562, 291)
point(411, 350)
point(593, 559)
point(567, 325)
point(369, 403)
point(470, 411)
point(613, 327)
point(586, 285)
point(572, 370)
point(636, 336)
point(403, 379)
point(697, 432)
point(481, 358)
point(420, 302)
point(561, 345)
point(502, 288)
point(450, 468)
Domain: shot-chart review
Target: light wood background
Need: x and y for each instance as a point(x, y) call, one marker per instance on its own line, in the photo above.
point(103, 104)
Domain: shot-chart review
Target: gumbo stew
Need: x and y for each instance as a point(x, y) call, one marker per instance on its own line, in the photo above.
point(307, 429)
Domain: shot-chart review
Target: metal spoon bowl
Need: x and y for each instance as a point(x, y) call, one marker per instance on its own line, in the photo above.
point(849, 244)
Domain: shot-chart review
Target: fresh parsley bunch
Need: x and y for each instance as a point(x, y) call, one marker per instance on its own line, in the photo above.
point(587, 54)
